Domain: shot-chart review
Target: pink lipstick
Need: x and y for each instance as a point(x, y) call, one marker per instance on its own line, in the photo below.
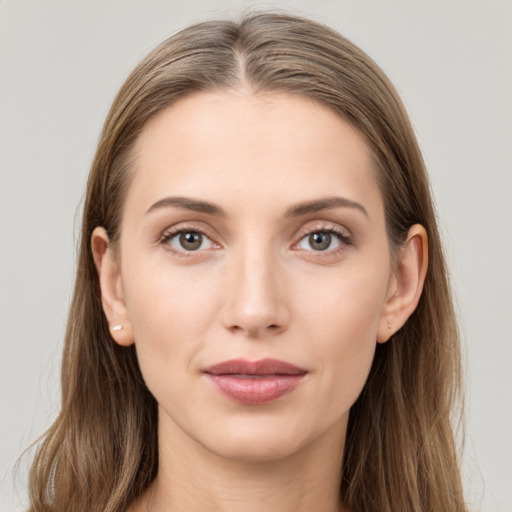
point(257, 382)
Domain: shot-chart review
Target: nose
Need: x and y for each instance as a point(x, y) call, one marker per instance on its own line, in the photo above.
point(255, 296)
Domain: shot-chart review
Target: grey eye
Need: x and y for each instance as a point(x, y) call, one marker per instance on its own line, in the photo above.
point(320, 241)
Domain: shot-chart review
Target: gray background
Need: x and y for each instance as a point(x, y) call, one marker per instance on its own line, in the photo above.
point(62, 62)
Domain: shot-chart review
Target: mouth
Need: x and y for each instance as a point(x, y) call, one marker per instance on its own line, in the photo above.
point(254, 382)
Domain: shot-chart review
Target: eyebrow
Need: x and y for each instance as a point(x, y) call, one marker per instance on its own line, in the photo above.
point(186, 203)
point(325, 203)
point(297, 210)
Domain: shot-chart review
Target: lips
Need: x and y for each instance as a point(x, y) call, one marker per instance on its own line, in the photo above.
point(254, 382)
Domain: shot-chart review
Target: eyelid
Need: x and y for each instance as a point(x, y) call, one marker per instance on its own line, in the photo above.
point(314, 227)
point(344, 235)
point(169, 233)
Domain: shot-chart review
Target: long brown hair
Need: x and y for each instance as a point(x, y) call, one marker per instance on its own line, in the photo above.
point(400, 454)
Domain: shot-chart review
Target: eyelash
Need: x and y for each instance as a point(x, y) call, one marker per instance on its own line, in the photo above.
point(171, 233)
point(344, 239)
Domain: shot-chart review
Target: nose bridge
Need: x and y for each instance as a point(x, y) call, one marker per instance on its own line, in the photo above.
point(256, 298)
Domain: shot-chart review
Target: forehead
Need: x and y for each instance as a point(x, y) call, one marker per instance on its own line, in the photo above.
point(228, 145)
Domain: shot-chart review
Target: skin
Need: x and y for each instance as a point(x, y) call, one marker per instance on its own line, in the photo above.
point(257, 287)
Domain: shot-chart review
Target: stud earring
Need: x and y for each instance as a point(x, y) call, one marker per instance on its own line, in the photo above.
point(117, 328)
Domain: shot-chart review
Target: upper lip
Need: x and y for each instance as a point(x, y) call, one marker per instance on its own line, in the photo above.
point(260, 367)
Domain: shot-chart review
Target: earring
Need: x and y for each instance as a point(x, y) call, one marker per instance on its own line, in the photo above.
point(117, 328)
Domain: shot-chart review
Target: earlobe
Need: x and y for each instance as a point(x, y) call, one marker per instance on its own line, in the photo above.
point(112, 294)
point(408, 281)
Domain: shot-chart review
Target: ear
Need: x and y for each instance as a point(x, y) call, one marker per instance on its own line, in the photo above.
point(406, 286)
point(112, 295)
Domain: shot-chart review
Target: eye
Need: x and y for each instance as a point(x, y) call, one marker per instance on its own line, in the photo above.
point(319, 241)
point(323, 240)
point(187, 240)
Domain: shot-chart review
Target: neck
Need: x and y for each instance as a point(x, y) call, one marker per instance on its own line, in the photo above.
point(192, 478)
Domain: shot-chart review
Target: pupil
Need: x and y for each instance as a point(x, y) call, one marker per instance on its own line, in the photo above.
point(320, 241)
point(191, 240)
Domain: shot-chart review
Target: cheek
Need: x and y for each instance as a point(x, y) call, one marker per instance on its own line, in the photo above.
point(170, 313)
point(345, 304)
point(341, 319)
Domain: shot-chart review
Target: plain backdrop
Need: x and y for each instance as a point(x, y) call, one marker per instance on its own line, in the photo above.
point(61, 64)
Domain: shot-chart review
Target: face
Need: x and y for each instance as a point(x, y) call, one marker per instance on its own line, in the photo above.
point(253, 271)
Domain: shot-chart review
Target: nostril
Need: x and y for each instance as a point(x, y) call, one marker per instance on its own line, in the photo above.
point(252, 332)
point(254, 318)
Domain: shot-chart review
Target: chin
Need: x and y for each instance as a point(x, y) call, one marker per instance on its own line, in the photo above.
point(257, 441)
point(257, 451)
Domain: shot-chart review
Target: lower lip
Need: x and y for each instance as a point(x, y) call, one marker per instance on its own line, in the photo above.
point(255, 390)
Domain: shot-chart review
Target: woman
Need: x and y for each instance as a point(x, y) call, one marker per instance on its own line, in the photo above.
point(253, 325)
